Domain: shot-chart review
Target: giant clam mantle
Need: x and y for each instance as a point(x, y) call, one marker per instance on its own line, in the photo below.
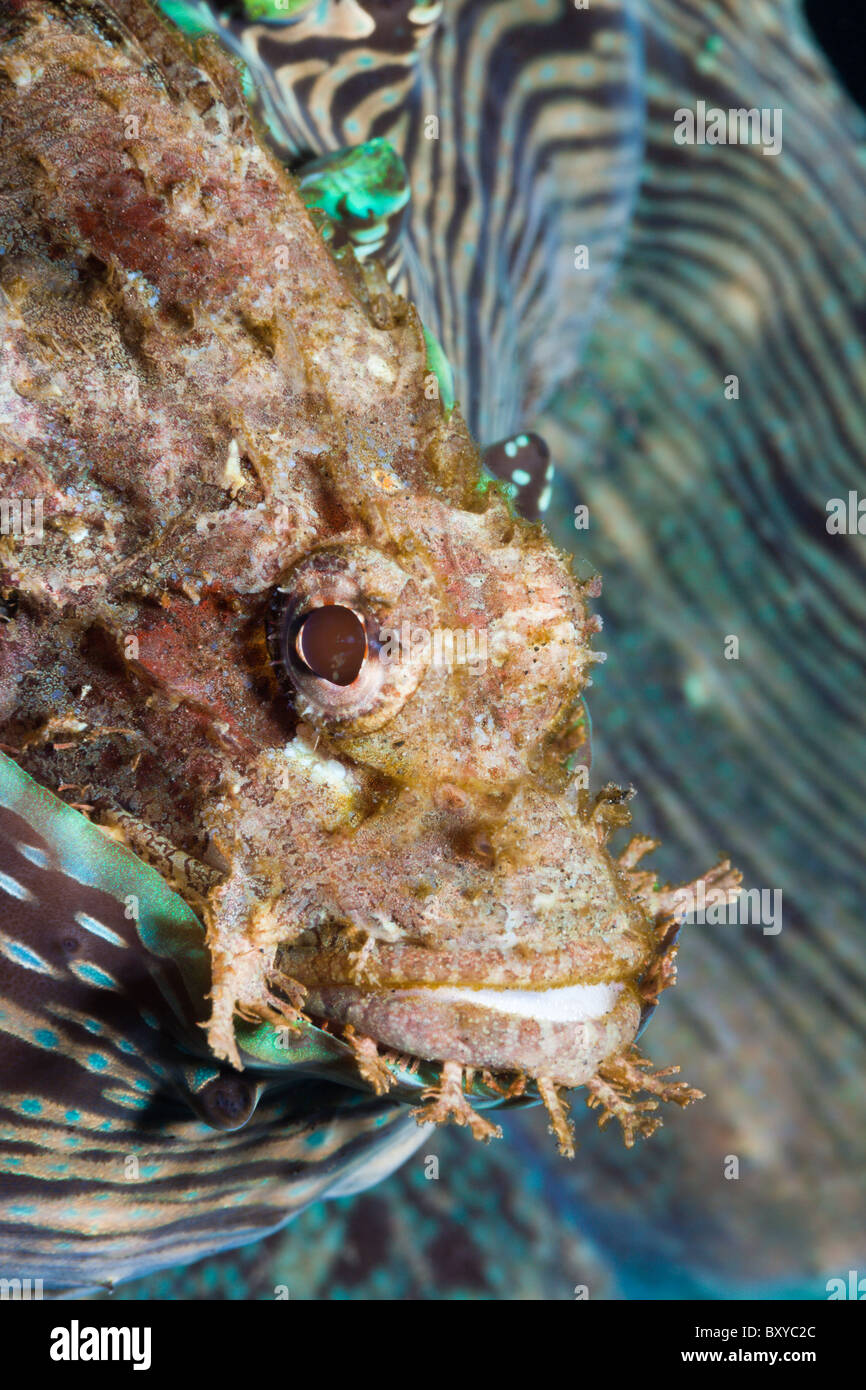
point(249, 468)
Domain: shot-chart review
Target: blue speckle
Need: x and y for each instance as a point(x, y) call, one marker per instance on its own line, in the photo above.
point(95, 976)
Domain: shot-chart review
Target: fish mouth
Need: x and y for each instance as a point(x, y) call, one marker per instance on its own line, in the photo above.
point(468, 966)
point(557, 1013)
point(563, 1032)
point(559, 1004)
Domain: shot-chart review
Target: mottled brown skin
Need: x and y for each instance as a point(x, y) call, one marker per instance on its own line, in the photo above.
point(212, 406)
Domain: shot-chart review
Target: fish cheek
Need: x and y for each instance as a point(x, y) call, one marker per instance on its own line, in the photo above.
point(204, 654)
point(392, 752)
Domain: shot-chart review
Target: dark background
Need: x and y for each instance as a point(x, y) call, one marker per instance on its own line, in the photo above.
point(840, 29)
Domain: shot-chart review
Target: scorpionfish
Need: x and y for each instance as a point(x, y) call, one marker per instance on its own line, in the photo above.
point(280, 633)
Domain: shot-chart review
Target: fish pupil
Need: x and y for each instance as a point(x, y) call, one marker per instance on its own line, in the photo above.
point(332, 643)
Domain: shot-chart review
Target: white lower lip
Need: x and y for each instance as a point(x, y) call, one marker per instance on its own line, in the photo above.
point(568, 1004)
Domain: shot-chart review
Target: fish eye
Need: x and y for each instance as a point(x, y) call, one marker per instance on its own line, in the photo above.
point(327, 634)
point(331, 641)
